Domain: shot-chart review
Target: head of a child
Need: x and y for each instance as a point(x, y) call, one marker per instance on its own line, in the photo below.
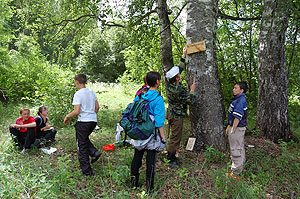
point(173, 75)
point(43, 111)
point(174, 79)
point(239, 88)
point(25, 113)
point(153, 79)
point(80, 80)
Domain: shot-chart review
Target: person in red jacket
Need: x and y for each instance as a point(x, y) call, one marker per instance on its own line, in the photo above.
point(23, 131)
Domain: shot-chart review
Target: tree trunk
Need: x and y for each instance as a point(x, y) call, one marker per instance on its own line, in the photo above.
point(207, 113)
point(272, 108)
point(165, 37)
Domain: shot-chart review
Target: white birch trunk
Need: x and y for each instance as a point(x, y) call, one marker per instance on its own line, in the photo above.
point(207, 113)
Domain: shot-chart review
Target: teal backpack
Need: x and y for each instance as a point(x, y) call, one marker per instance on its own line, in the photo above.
point(136, 120)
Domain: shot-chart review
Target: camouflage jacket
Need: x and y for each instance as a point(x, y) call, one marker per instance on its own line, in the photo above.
point(178, 98)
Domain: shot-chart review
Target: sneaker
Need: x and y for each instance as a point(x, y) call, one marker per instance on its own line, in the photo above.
point(231, 175)
point(96, 156)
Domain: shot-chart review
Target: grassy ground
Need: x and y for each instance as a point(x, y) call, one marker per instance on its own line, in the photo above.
point(271, 171)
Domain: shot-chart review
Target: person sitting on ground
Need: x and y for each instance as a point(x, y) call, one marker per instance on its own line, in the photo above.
point(23, 131)
point(44, 131)
point(86, 107)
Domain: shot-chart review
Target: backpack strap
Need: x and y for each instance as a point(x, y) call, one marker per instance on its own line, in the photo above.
point(41, 120)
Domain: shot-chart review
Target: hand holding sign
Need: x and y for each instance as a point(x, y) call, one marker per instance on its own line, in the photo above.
point(195, 47)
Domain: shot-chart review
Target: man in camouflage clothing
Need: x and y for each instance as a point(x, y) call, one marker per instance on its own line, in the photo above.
point(178, 99)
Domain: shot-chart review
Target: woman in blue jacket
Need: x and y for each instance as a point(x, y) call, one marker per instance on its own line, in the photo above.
point(157, 109)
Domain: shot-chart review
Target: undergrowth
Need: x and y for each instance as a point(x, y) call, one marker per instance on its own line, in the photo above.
point(267, 174)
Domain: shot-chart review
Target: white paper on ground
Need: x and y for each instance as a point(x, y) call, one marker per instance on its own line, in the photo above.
point(49, 151)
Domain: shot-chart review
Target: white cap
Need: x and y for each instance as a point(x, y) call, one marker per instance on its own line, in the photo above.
point(172, 72)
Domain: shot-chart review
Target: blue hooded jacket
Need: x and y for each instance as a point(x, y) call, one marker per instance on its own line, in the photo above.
point(238, 109)
point(156, 107)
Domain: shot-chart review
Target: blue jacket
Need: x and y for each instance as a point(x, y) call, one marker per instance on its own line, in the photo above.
point(238, 109)
point(156, 107)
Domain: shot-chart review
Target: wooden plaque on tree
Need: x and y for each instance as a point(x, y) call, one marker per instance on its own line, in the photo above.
point(196, 47)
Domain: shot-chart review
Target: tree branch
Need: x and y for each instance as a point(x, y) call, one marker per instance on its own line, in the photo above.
point(66, 21)
point(113, 24)
point(73, 20)
point(174, 18)
point(2, 91)
point(224, 16)
point(143, 17)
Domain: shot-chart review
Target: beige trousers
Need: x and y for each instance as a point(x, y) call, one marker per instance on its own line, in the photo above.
point(237, 149)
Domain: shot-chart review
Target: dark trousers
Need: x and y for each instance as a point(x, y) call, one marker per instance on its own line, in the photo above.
point(85, 146)
point(150, 163)
point(23, 139)
point(175, 139)
point(48, 134)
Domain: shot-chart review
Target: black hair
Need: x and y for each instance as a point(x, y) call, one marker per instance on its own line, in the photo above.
point(41, 109)
point(242, 85)
point(145, 81)
point(81, 78)
point(152, 77)
point(173, 79)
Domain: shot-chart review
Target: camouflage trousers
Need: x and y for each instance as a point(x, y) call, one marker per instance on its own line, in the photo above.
point(176, 134)
point(237, 149)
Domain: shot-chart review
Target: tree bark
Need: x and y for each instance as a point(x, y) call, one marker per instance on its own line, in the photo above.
point(272, 108)
point(165, 37)
point(207, 113)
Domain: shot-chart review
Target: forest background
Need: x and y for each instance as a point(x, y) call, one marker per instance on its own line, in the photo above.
point(43, 44)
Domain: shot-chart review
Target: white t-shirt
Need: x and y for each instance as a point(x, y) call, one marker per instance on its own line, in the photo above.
point(86, 98)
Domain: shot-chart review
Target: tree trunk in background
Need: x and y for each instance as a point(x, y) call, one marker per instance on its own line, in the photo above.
point(272, 108)
point(207, 113)
point(165, 37)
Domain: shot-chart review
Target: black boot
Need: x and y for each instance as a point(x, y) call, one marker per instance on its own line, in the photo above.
point(150, 184)
point(172, 158)
point(134, 181)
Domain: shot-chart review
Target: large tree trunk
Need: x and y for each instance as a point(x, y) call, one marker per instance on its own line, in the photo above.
point(207, 112)
point(272, 108)
point(165, 37)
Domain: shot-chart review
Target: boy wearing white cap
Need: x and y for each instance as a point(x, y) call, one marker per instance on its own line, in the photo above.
point(178, 98)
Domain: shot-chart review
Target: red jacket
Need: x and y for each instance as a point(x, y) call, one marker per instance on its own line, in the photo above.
point(20, 121)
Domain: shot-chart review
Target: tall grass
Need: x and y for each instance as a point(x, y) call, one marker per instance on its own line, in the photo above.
point(267, 174)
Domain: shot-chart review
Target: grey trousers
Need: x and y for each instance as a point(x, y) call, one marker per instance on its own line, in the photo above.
point(237, 149)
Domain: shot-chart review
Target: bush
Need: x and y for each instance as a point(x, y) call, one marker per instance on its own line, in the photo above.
point(28, 76)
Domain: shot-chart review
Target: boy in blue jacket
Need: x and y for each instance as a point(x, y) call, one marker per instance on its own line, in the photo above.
point(237, 122)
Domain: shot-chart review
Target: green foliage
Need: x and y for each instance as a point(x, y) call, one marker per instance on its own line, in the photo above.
point(213, 155)
point(294, 116)
point(238, 47)
point(100, 55)
point(29, 77)
point(268, 172)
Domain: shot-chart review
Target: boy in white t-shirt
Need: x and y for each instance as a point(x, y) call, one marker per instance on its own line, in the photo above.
point(86, 107)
